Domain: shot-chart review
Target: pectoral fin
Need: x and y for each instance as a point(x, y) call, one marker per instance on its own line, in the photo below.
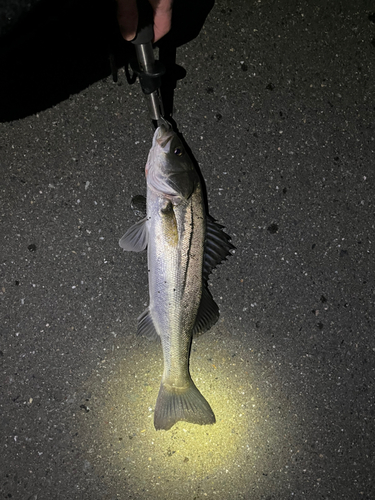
point(136, 237)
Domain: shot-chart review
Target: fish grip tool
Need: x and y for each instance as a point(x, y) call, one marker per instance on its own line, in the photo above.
point(148, 70)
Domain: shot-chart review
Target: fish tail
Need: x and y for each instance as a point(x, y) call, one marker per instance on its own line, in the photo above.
point(175, 404)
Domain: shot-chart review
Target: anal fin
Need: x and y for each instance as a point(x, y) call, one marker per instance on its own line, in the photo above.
point(146, 325)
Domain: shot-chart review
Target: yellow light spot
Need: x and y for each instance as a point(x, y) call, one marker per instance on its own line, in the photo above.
point(246, 439)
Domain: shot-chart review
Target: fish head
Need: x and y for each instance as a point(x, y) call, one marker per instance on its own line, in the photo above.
point(169, 169)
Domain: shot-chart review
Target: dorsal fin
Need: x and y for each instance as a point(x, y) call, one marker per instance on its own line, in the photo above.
point(217, 246)
point(208, 313)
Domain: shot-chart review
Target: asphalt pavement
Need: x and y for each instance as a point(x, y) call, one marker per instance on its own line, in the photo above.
point(277, 105)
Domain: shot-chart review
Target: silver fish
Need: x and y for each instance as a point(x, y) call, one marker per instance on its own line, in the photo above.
point(184, 244)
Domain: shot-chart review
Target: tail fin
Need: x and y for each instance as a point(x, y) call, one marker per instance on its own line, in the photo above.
point(173, 405)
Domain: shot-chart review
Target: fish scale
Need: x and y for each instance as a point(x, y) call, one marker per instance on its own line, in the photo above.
point(183, 245)
point(178, 278)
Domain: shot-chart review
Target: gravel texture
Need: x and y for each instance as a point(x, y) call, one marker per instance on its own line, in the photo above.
point(278, 108)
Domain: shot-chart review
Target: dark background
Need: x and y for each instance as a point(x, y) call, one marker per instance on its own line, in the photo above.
point(277, 105)
point(53, 50)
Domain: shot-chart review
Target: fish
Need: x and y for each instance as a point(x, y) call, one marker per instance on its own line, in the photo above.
point(183, 244)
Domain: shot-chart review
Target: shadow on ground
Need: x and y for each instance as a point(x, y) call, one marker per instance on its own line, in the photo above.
point(59, 49)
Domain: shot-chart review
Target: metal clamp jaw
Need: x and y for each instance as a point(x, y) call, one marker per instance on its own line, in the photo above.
point(147, 68)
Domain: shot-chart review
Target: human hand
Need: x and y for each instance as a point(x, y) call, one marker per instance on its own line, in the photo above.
point(127, 17)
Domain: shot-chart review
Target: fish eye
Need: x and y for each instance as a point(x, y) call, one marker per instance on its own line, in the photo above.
point(178, 151)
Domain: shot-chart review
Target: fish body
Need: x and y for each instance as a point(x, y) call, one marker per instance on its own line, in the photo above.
point(183, 245)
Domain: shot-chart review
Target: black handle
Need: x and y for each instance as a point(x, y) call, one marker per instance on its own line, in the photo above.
point(145, 29)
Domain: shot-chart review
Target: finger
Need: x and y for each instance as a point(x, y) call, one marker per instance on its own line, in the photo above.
point(127, 17)
point(162, 17)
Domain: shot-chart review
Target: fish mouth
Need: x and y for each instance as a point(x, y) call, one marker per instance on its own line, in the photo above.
point(166, 173)
point(163, 136)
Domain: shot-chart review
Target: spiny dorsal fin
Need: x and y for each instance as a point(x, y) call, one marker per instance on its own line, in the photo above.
point(217, 246)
